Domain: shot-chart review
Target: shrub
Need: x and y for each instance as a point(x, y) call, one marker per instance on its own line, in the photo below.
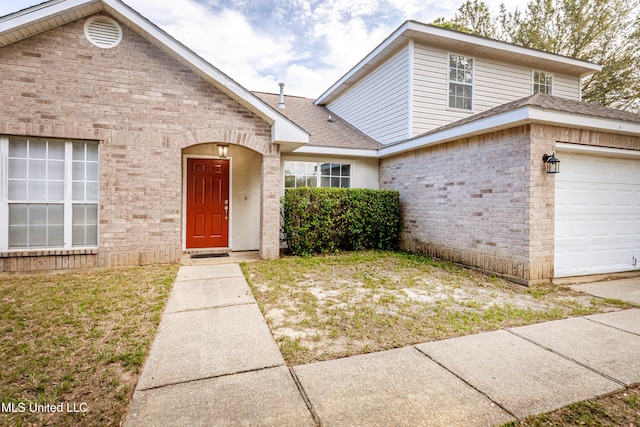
point(321, 220)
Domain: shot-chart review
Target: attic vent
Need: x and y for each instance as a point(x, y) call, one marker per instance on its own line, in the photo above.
point(103, 31)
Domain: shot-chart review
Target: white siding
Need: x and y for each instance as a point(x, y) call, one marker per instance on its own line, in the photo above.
point(378, 104)
point(495, 83)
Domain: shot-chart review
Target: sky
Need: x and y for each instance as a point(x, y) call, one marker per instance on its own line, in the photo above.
point(308, 44)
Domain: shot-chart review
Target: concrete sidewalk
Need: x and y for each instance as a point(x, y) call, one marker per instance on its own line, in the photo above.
point(214, 362)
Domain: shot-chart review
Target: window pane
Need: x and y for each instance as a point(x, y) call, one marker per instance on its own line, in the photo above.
point(18, 147)
point(78, 171)
point(37, 236)
point(92, 214)
point(37, 190)
point(91, 235)
point(37, 169)
point(289, 181)
point(56, 214)
point(78, 237)
point(18, 214)
point(17, 236)
point(17, 168)
point(55, 170)
point(38, 215)
point(55, 237)
point(17, 190)
point(78, 190)
point(325, 181)
point(345, 183)
point(56, 150)
point(79, 215)
point(92, 191)
point(335, 182)
point(78, 151)
point(37, 149)
point(92, 151)
point(92, 171)
point(346, 170)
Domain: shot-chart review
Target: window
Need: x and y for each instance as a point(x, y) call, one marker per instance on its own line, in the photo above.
point(52, 193)
point(312, 174)
point(542, 82)
point(460, 82)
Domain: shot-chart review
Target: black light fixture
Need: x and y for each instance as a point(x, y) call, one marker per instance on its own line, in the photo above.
point(553, 164)
point(222, 150)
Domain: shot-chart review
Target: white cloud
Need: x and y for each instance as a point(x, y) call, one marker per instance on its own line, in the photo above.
point(309, 44)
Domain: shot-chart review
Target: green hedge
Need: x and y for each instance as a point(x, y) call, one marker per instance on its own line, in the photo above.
point(321, 220)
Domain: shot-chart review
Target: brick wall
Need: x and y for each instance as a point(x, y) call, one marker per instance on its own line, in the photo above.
point(468, 201)
point(487, 201)
point(144, 108)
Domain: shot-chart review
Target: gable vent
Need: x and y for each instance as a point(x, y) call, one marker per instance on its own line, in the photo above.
point(103, 31)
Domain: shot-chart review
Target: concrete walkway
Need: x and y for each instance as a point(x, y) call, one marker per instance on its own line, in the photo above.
point(215, 363)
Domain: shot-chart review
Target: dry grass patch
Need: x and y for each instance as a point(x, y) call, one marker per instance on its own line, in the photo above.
point(620, 409)
point(325, 307)
point(77, 338)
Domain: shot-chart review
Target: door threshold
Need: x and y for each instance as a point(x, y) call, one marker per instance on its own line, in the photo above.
point(210, 255)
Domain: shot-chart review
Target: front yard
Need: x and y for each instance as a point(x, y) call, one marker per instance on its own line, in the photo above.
point(76, 342)
point(325, 307)
point(79, 339)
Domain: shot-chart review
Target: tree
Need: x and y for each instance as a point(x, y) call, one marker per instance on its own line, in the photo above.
point(606, 32)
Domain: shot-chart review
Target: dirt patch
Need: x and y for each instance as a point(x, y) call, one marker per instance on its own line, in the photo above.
point(326, 307)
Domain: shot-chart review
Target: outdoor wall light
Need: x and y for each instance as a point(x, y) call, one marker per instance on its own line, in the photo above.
point(223, 150)
point(553, 164)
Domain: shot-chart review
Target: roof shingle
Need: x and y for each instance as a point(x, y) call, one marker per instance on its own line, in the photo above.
point(315, 120)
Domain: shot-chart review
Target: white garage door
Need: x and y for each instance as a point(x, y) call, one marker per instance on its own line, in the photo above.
point(597, 214)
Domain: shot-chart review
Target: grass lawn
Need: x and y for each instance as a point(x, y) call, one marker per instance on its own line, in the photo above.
point(77, 338)
point(325, 307)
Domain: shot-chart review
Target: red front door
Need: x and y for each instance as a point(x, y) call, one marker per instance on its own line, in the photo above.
point(207, 203)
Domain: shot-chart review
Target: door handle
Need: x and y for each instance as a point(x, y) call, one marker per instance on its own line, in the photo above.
point(226, 209)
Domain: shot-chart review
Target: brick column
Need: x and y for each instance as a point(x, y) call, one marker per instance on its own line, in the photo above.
point(270, 204)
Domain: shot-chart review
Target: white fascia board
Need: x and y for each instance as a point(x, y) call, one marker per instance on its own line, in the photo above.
point(602, 151)
point(500, 121)
point(38, 12)
point(523, 115)
point(283, 130)
point(336, 151)
point(566, 119)
point(497, 45)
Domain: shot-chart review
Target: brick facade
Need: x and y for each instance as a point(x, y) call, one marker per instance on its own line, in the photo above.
point(467, 201)
point(143, 107)
point(487, 201)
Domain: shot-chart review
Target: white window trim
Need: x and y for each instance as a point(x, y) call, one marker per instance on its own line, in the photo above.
point(68, 202)
point(4, 193)
point(533, 81)
point(472, 84)
point(352, 164)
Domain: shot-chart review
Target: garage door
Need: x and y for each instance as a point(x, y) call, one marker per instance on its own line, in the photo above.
point(597, 214)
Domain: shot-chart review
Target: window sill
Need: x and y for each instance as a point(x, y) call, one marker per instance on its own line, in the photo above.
point(18, 253)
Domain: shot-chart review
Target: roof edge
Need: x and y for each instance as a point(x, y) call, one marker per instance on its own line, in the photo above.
point(410, 26)
point(525, 114)
point(283, 130)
